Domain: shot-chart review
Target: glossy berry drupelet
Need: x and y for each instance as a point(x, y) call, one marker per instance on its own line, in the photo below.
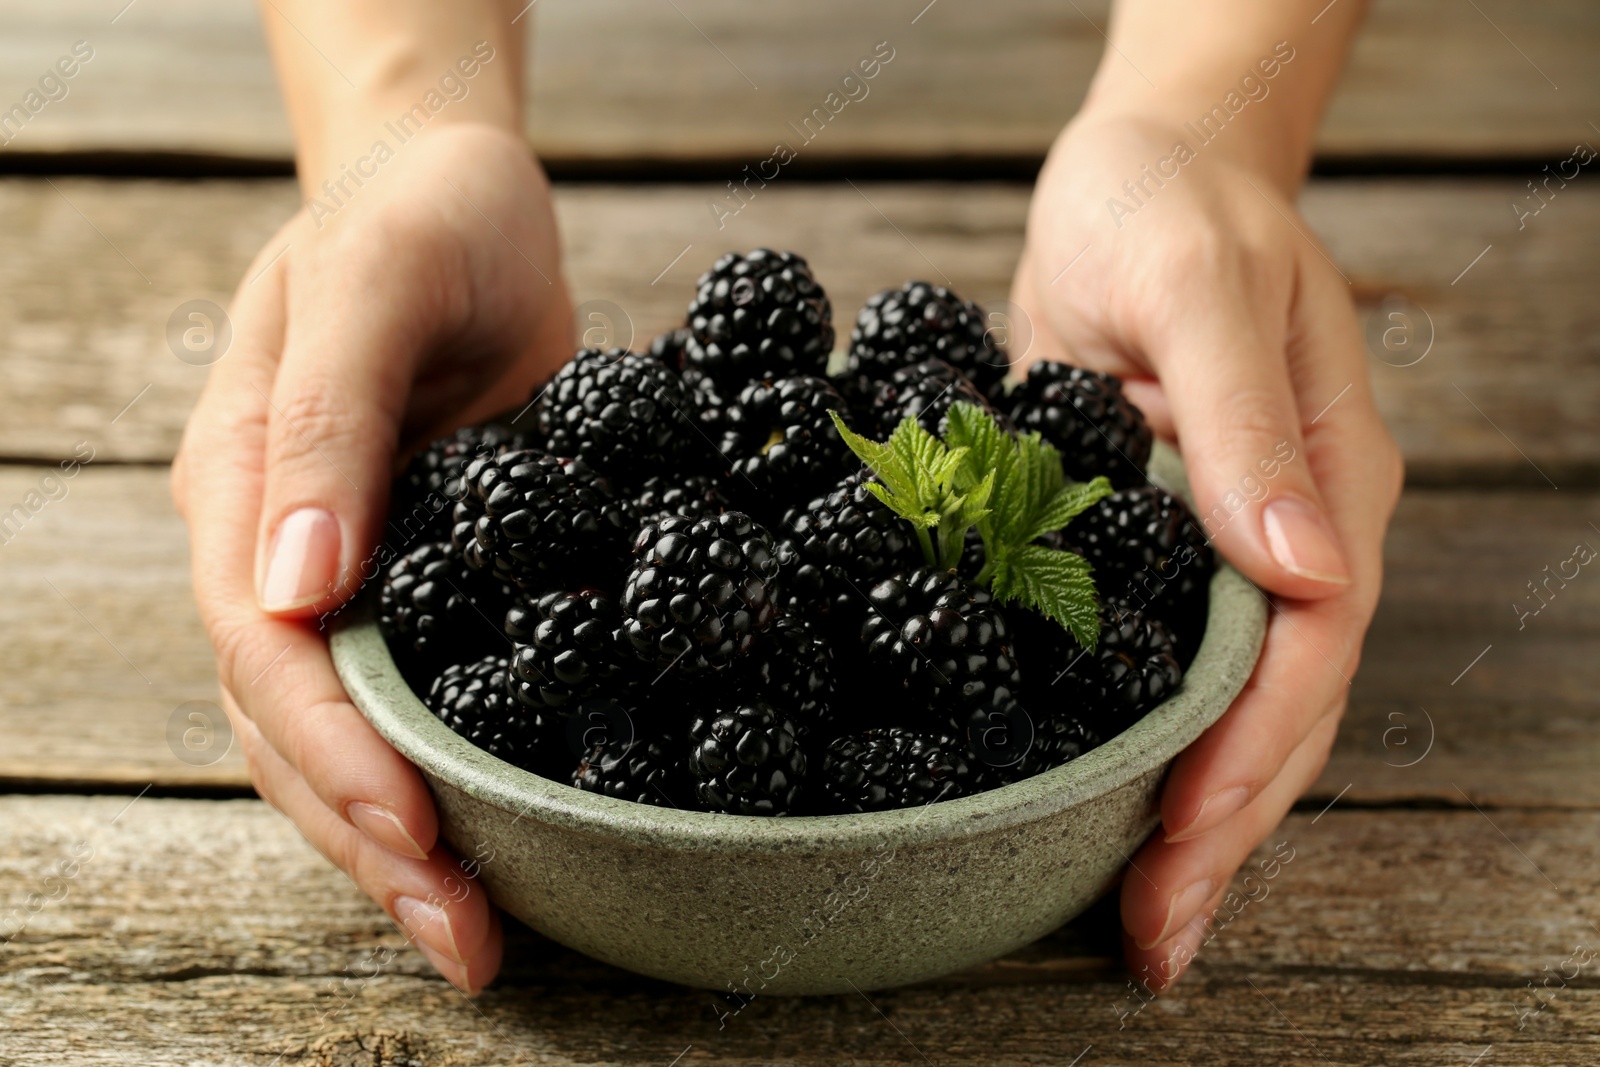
point(901, 327)
point(426, 492)
point(941, 640)
point(760, 315)
point(793, 670)
point(626, 414)
point(925, 391)
point(879, 770)
point(669, 347)
point(569, 648)
point(694, 496)
point(645, 770)
point(532, 518)
point(433, 609)
point(1011, 743)
point(701, 591)
point(1088, 418)
point(1131, 670)
point(781, 443)
point(836, 547)
point(745, 759)
point(1149, 553)
point(471, 699)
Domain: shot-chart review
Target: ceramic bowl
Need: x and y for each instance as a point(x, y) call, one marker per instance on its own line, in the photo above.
point(762, 906)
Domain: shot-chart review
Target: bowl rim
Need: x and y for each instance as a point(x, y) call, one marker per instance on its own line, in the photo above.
point(1235, 628)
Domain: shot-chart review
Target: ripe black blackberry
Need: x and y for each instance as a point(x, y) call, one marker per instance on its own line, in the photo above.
point(694, 496)
point(1131, 670)
point(1149, 553)
point(1084, 414)
point(669, 347)
point(471, 699)
point(651, 770)
point(836, 548)
point(529, 516)
point(426, 492)
point(745, 759)
point(1010, 744)
point(793, 670)
point(878, 770)
point(626, 414)
point(918, 321)
point(701, 591)
point(780, 442)
point(942, 640)
point(760, 315)
point(925, 392)
point(433, 609)
point(569, 648)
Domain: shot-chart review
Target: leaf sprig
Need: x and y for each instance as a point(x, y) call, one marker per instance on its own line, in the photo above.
point(1010, 486)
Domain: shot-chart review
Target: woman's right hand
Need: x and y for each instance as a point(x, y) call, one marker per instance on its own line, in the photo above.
point(431, 297)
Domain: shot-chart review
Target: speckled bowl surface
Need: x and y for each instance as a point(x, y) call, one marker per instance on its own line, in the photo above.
point(829, 904)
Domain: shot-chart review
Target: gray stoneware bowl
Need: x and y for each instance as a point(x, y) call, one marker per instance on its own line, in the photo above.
point(818, 904)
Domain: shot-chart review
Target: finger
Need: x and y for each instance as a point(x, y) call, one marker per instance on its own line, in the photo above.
point(1218, 345)
point(1164, 910)
point(444, 913)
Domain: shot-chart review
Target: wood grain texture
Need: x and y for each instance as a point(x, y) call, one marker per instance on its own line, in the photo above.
point(1505, 394)
point(615, 81)
point(1519, 728)
point(209, 929)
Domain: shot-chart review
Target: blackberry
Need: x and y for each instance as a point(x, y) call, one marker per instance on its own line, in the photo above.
point(528, 515)
point(746, 759)
point(878, 770)
point(568, 649)
point(1132, 669)
point(644, 770)
point(427, 490)
point(1084, 414)
point(794, 671)
point(623, 413)
point(780, 441)
point(669, 347)
point(902, 327)
point(1009, 744)
point(837, 546)
point(694, 496)
point(701, 591)
point(943, 640)
point(433, 609)
point(471, 699)
point(760, 315)
point(925, 391)
point(1149, 553)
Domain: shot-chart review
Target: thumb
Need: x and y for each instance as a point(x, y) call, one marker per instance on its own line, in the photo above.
point(335, 414)
point(1234, 409)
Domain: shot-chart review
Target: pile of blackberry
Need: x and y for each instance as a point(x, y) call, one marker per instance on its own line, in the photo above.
point(670, 583)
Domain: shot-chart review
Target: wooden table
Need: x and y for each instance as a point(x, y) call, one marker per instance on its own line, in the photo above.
point(1440, 908)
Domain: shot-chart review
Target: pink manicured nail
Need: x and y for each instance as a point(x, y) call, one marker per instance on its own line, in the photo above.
point(457, 974)
point(1185, 904)
point(384, 827)
point(302, 561)
point(1302, 541)
point(428, 925)
point(1214, 810)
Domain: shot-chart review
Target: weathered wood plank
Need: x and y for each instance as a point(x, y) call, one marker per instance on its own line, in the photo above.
point(205, 928)
point(614, 81)
point(82, 334)
point(1517, 729)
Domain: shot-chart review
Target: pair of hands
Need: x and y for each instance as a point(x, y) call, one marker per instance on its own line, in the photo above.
point(436, 298)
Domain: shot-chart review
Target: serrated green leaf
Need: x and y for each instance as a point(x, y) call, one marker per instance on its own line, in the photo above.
point(1054, 583)
point(925, 519)
point(1069, 502)
point(969, 427)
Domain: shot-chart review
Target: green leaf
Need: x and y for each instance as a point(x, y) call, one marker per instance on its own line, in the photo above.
point(1056, 584)
point(1069, 502)
point(969, 427)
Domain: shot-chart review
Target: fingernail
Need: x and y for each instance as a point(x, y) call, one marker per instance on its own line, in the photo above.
point(456, 973)
point(1181, 952)
point(384, 827)
point(1183, 906)
point(429, 926)
point(302, 560)
point(1214, 809)
point(1302, 541)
